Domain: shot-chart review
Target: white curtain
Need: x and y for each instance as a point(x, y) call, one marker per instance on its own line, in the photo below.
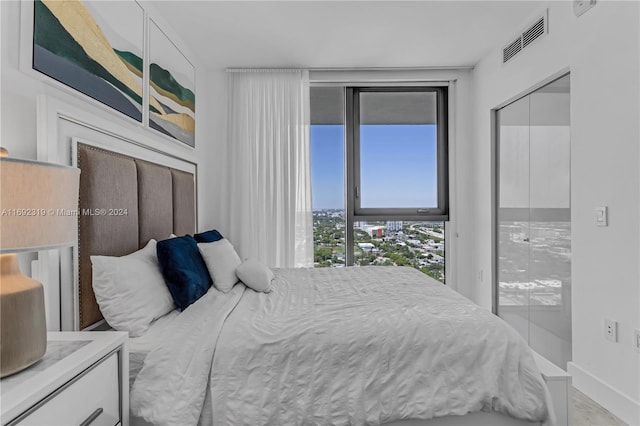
point(269, 186)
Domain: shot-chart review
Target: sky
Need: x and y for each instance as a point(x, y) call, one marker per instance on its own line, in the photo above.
point(398, 166)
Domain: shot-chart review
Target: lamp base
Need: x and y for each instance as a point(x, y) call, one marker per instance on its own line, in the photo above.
point(23, 327)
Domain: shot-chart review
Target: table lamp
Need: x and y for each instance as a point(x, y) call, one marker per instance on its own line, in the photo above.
point(38, 211)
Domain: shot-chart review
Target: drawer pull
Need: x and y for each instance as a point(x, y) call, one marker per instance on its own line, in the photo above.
point(92, 417)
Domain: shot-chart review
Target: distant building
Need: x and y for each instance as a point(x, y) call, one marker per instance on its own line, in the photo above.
point(433, 246)
point(394, 225)
point(366, 247)
point(375, 231)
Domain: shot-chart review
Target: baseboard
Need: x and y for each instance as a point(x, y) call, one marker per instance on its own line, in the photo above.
point(604, 394)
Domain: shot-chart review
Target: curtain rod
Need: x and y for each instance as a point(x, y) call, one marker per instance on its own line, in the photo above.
point(426, 68)
point(431, 68)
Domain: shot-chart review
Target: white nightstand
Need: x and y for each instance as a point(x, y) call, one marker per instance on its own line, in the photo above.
point(83, 379)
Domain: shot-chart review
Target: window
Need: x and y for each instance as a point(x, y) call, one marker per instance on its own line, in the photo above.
point(327, 175)
point(379, 176)
point(399, 152)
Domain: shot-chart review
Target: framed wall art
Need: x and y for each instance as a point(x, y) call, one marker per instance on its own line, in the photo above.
point(172, 81)
point(96, 48)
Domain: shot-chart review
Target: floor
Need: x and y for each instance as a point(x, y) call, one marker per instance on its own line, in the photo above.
point(586, 412)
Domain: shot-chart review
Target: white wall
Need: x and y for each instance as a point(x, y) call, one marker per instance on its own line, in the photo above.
point(601, 49)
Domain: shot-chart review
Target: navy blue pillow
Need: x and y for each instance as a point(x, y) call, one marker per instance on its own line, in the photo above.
point(183, 269)
point(208, 237)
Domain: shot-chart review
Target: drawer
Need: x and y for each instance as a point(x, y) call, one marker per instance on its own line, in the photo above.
point(92, 395)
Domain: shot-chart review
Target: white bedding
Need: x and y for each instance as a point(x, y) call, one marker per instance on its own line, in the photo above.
point(140, 347)
point(347, 346)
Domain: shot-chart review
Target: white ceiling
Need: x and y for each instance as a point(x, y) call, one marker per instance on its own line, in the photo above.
point(318, 34)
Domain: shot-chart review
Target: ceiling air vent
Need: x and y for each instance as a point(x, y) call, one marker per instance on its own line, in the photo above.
point(535, 31)
point(528, 36)
point(512, 49)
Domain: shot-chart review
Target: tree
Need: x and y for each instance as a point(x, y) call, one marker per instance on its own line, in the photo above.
point(361, 236)
point(322, 253)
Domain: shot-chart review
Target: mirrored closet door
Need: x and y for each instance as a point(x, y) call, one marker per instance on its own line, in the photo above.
point(533, 241)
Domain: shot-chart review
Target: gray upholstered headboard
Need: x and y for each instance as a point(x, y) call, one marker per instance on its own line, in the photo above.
point(125, 202)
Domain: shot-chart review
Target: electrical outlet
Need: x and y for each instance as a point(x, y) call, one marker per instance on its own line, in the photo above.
point(611, 330)
point(636, 338)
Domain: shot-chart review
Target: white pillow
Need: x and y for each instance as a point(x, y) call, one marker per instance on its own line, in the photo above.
point(255, 275)
point(221, 260)
point(130, 289)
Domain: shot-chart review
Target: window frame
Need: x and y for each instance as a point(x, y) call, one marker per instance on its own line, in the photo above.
point(354, 211)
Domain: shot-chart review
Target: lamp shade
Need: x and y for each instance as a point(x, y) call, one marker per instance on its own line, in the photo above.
point(38, 205)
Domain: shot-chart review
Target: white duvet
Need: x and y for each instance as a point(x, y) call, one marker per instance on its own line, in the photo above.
point(347, 346)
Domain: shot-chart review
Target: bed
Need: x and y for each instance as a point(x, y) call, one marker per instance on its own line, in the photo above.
point(327, 346)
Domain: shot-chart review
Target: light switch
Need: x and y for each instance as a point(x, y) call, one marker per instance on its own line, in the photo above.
point(601, 216)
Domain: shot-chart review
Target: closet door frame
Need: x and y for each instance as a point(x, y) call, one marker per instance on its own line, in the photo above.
point(495, 163)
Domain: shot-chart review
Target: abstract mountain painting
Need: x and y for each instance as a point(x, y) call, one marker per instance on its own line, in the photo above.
point(172, 103)
point(94, 47)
